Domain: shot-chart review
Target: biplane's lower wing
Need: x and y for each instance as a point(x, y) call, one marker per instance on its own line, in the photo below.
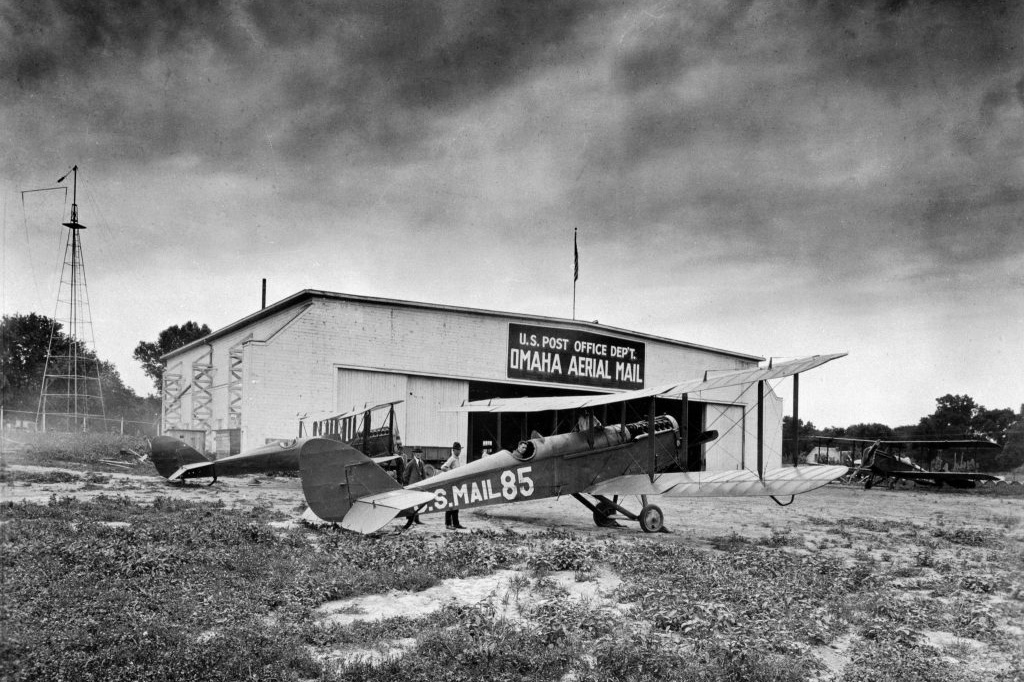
point(736, 483)
point(948, 477)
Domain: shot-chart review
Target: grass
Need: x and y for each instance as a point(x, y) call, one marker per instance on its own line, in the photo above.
point(76, 449)
point(52, 476)
point(193, 590)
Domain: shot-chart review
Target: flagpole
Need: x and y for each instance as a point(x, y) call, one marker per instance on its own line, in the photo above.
point(575, 271)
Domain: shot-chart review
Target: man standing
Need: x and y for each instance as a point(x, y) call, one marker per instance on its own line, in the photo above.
point(451, 517)
point(414, 473)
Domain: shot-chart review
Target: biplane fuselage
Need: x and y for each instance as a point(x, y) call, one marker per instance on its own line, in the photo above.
point(563, 464)
point(175, 460)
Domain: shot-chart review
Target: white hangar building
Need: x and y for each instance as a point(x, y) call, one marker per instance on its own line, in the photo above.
point(318, 353)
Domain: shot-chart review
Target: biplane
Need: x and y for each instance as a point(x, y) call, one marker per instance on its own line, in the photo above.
point(881, 463)
point(370, 430)
point(595, 464)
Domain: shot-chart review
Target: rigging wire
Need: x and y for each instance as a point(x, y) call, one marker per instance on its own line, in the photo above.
point(33, 269)
point(746, 411)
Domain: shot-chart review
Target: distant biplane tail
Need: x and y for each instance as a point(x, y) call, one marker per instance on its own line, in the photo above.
point(171, 454)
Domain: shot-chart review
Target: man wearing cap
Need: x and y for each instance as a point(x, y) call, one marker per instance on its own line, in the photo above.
point(414, 473)
point(451, 517)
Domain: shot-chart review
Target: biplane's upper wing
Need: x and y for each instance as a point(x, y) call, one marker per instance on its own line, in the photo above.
point(707, 382)
point(355, 411)
point(950, 444)
point(734, 483)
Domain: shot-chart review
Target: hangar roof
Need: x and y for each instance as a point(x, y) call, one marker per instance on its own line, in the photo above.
point(311, 294)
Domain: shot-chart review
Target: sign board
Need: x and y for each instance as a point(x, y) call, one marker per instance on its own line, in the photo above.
point(568, 356)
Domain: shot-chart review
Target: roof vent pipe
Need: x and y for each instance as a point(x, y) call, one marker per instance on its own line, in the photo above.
point(263, 301)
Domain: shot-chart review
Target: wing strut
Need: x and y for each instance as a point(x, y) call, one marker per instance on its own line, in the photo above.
point(652, 439)
point(391, 430)
point(760, 429)
point(796, 419)
point(684, 433)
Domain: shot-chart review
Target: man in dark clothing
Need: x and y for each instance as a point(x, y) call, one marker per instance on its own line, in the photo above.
point(414, 473)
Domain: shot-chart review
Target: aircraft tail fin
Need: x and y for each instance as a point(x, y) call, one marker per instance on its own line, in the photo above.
point(335, 475)
point(171, 454)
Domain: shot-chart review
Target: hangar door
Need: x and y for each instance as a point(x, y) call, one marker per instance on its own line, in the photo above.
point(736, 446)
point(726, 452)
point(419, 417)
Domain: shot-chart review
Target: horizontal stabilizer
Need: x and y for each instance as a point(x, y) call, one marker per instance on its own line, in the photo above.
point(733, 483)
point(373, 512)
point(194, 469)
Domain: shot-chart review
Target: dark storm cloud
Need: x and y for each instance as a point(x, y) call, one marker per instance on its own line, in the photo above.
point(53, 38)
point(215, 78)
point(772, 126)
point(394, 66)
point(897, 48)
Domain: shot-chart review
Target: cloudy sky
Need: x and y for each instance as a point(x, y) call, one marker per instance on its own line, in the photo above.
point(775, 178)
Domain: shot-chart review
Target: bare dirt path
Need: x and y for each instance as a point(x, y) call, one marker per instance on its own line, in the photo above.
point(689, 520)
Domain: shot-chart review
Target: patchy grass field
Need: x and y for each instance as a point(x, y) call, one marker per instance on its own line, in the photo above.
point(117, 577)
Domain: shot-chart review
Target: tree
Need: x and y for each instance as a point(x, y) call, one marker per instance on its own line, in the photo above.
point(806, 433)
point(25, 341)
point(872, 431)
point(958, 416)
point(953, 418)
point(121, 401)
point(170, 339)
point(1012, 454)
point(994, 424)
point(833, 432)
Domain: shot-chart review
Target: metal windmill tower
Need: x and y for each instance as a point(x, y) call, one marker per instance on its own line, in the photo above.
point(71, 398)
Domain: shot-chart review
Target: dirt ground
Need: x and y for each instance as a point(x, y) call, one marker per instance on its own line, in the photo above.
point(694, 521)
point(698, 523)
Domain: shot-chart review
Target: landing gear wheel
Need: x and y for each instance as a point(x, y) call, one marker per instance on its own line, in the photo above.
point(651, 519)
point(602, 516)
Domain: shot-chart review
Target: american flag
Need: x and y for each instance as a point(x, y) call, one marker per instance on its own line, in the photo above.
point(575, 258)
